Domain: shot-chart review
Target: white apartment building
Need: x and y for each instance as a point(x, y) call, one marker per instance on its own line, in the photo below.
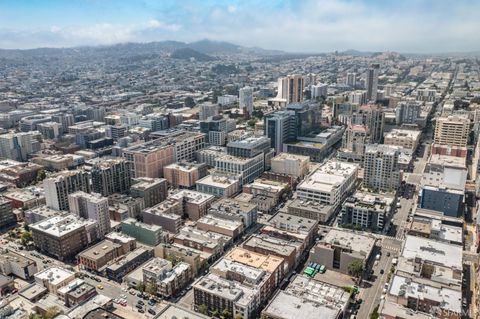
point(91, 206)
point(290, 164)
point(330, 183)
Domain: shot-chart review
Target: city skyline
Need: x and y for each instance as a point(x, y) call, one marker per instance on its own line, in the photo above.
point(305, 26)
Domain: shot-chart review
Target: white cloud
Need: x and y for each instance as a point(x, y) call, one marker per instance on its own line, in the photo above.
point(305, 26)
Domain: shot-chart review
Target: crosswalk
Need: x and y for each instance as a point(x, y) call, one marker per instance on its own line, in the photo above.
point(392, 248)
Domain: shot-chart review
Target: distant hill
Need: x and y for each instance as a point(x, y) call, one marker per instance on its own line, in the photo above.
point(187, 53)
point(207, 47)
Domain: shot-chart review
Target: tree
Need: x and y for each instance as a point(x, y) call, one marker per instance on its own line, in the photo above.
point(355, 268)
point(140, 287)
point(226, 314)
point(52, 312)
point(189, 102)
point(41, 175)
point(251, 122)
point(151, 289)
point(26, 237)
point(374, 314)
point(203, 309)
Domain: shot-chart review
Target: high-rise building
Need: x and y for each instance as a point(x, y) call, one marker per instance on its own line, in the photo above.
point(319, 90)
point(207, 110)
point(245, 101)
point(6, 214)
point(59, 186)
point(300, 119)
point(152, 190)
point(372, 82)
point(91, 206)
point(111, 176)
point(351, 79)
point(408, 112)
point(280, 129)
point(290, 89)
point(374, 118)
point(64, 119)
point(381, 168)
point(18, 146)
point(452, 131)
point(116, 131)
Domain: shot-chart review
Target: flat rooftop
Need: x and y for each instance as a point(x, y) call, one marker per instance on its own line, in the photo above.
point(175, 311)
point(54, 275)
point(136, 223)
point(329, 176)
point(220, 222)
point(100, 250)
point(441, 253)
point(356, 242)
point(61, 225)
point(308, 299)
point(293, 223)
point(192, 196)
point(217, 181)
point(268, 263)
point(447, 298)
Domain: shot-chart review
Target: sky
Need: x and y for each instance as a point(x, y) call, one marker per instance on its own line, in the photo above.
point(413, 26)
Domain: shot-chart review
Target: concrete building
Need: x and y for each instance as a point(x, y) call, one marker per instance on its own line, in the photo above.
point(207, 110)
point(218, 294)
point(18, 146)
point(267, 245)
point(436, 226)
point(381, 167)
point(351, 79)
point(357, 97)
point(209, 154)
point(37, 214)
point(339, 248)
point(148, 160)
point(231, 228)
point(408, 112)
point(7, 217)
point(416, 295)
point(443, 185)
point(372, 82)
point(290, 164)
point(111, 176)
point(122, 266)
point(219, 185)
point(365, 210)
point(310, 209)
point(408, 139)
point(54, 278)
point(319, 90)
point(205, 241)
point(151, 235)
point(167, 214)
point(290, 89)
point(245, 100)
point(184, 143)
point(152, 190)
point(184, 175)
point(12, 263)
point(167, 279)
point(64, 236)
point(329, 184)
point(194, 204)
point(249, 147)
point(452, 131)
point(247, 168)
point(59, 186)
point(309, 299)
point(91, 206)
point(96, 257)
point(231, 209)
point(131, 206)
